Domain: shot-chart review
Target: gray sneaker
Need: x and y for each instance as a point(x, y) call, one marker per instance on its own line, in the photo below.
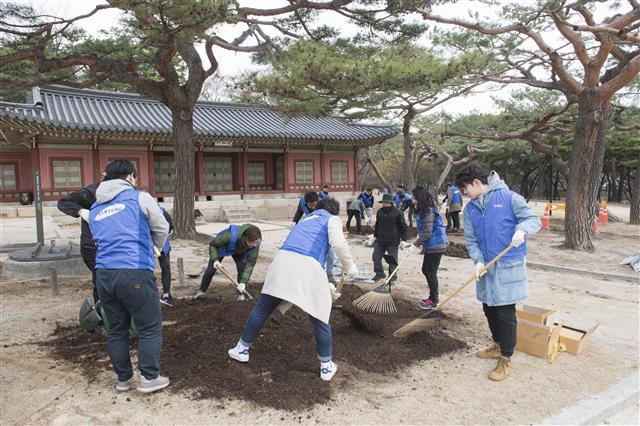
point(126, 385)
point(199, 295)
point(148, 386)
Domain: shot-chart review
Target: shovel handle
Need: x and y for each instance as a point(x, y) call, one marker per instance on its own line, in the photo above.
point(473, 277)
point(226, 274)
point(397, 267)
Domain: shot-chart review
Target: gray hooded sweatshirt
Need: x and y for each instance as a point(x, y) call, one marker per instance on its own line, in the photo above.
point(158, 225)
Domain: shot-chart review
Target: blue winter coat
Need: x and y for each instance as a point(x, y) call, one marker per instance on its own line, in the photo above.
point(505, 282)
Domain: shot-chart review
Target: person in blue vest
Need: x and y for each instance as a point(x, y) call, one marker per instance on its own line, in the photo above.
point(126, 224)
point(306, 205)
point(454, 207)
point(367, 199)
point(165, 265)
point(295, 277)
point(432, 240)
point(495, 218)
point(403, 201)
point(242, 243)
point(324, 193)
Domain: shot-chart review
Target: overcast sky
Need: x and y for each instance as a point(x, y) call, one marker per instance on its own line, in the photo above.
point(235, 63)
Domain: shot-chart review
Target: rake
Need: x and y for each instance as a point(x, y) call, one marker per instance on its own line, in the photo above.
point(429, 319)
point(379, 300)
point(226, 274)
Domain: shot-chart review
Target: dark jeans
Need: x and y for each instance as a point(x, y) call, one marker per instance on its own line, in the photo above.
point(379, 250)
point(126, 293)
point(265, 305)
point(503, 326)
point(165, 275)
point(430, 265)
point(208, 274)
point(356, 214)
point(89, 258)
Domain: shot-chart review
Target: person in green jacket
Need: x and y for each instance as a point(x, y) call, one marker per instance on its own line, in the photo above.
point(242, 243)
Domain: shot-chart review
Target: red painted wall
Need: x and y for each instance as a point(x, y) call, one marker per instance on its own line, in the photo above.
point(141, 159)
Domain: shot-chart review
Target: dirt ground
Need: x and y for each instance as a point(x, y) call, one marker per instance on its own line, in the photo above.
point(39, 387)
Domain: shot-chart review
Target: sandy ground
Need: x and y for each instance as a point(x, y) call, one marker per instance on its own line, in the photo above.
point(36, 389)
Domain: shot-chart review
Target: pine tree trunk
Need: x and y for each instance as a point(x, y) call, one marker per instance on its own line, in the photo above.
point(184, 152)
point(613, 187)
point(634, 214)
point(407, 148)
point(585, 169)
point(620, 192)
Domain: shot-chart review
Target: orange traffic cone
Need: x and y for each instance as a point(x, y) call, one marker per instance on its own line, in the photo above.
point(603, 215)
point(595, 225)
point(545, 219)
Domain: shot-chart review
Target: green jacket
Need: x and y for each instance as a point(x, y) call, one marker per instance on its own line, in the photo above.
point(223, 239)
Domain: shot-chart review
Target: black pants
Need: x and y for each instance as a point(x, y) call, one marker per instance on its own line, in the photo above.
point(455, 218)
point(503, 326)
point(430, 265)
point(165, 274)
point(356, 214)
point(208, 274)
point(379, 251)
point(89, 258)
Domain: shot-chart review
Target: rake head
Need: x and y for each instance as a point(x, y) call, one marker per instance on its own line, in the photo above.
point(377, 301)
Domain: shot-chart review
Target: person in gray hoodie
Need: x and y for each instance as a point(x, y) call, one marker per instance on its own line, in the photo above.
point(494, 219)
point(128, 227)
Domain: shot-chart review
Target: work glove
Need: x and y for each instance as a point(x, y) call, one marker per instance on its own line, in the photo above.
point(157, 251)
point(216, 264)
point(84, 214)
point(479, 267)
point(404, 245)
point(292, 224)
point(241, 287)
point(352, 272)
point(334, 294)
point(518, 237)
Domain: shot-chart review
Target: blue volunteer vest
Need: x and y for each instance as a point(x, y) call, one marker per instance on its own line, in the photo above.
point(303, 206)
point(495, 227)
point(310, 237)
point(398, 201)
point(232, 246)
point(455, 195)
point(322, 195)
point(121, 232)
point(438, 234)
point(367, 199)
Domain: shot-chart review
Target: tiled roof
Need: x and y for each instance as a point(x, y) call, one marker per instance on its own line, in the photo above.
point(95, 110)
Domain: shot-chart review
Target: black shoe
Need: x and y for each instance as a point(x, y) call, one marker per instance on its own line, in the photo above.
point(167, 299)
point(379, 277)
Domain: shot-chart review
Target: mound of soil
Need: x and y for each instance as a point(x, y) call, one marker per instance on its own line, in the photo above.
point(283, 371)
point(457, 250)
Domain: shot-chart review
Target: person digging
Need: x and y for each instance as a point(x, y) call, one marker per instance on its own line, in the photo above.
point(296, 277)
point(495, 218)
point(242, 243)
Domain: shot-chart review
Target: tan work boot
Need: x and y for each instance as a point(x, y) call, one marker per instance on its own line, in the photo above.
point(492, 352)
point(502, 370)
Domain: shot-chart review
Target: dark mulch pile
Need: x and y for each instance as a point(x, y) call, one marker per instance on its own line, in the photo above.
point(283, 371)
point(457, 250)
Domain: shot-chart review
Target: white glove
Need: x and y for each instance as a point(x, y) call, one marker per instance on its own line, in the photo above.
point(412, 249)
point(241, 287)
point(157, 251)
point(84, 214)
point(216, 264)
point(518, 237)
point(334, 294)
point(479, 267)
point(404, 245)
point(292, 224)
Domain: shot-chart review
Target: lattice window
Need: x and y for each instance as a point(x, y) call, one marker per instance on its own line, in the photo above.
point(165, 169)
point(257, 171)
point(8, 177)
point(67, 173)
point(339, 172)
point(304, 171)
point(218, 174)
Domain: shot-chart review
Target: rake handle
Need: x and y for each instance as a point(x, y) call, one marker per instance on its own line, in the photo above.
point(397, 267)
point(226, 274)
point(473, 278)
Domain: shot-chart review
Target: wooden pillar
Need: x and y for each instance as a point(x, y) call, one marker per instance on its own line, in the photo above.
point(150, 169)
point(35, 162)
point(285, 169)
point(244, 172)
point(355, 170)
point(322, 177)
point(95, 159)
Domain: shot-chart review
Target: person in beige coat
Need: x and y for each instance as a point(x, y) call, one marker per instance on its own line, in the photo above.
point(297, 277)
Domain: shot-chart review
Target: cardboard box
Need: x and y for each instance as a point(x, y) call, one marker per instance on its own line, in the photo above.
point(575, 340)
point(534, 314)
point(538, 339)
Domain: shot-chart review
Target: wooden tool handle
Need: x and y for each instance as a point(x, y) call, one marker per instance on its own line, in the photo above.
point(343, 280)
point(473, 277)
point(226, 274)
point(398, 267)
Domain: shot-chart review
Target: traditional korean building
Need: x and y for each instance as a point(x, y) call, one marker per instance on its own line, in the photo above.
point(242, 151)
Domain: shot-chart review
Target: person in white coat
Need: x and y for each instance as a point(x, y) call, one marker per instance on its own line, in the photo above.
point(297, 277)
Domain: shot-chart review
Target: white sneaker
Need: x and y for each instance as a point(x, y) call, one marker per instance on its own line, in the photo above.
point(328, 370)
point(148, 386)
point(240, 353)
point(199, 295)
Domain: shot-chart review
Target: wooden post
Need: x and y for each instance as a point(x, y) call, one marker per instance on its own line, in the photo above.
point(181, 271)
point(54, 282)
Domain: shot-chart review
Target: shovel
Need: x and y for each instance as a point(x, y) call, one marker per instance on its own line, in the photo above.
point(429, 319)
point(226, 274)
